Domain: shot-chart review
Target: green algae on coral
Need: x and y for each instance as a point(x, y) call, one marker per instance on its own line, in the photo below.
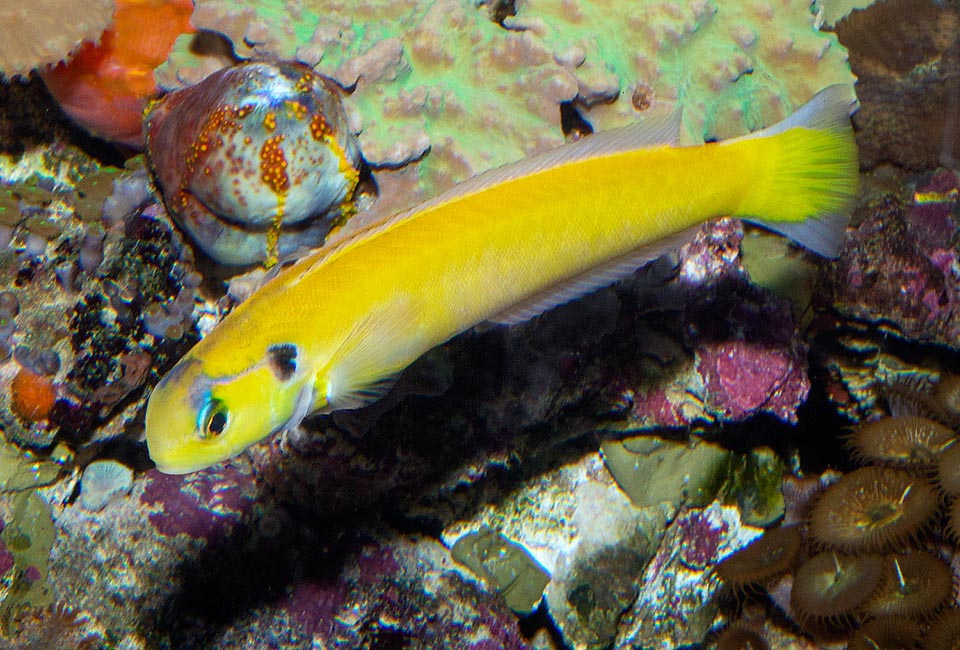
point(92, 189)
point(833, 11)
point(505, 565)
point(754, 485)
point(29, 536)
point(433, 79)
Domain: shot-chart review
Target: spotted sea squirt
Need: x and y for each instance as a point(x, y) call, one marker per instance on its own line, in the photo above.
point(255, 161)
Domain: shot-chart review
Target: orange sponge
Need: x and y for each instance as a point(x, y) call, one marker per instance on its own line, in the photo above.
point(106, 86)
point(32, 395)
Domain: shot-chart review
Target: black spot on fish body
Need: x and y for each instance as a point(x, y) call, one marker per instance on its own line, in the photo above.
point(283, 360)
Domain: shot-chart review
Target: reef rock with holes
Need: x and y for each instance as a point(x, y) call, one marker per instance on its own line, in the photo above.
point(96, 286)
point(889, 304)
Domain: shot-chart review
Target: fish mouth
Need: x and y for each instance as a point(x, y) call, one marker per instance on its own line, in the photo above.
point(173, 470)
point(175, 459)
point(171, 420)
point(179, 470)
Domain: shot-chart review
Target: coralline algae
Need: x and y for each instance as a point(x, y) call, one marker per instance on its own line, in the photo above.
point(914, 293)
point(78, 278)
point(255, 161)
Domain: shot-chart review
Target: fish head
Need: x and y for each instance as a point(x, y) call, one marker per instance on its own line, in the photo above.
point(195, 420)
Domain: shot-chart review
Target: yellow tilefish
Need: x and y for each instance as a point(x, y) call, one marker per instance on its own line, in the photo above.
point(332, 330)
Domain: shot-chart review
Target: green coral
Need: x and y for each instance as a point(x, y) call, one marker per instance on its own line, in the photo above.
point(731, 66)
point(833, 11)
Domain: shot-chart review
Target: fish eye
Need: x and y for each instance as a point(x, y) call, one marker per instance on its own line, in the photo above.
point(213, 419)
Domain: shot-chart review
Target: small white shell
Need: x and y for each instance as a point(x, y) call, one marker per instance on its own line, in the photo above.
point(102, 481)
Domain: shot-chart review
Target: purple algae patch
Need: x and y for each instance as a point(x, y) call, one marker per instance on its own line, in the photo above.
point(6, 559)
point(31, 574)
point(656, 406)
point(929, 218)
point(313, 604)
point(376, 563)
point(743, 378)
point(205, 505)
point(700, 538)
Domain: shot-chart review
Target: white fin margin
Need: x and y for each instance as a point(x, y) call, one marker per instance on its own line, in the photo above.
point(823, 235)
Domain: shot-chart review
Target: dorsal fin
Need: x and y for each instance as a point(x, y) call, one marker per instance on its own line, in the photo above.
point(655, 131)
point(596, 278)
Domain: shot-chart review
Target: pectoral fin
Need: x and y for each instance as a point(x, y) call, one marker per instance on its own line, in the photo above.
point(372, 356)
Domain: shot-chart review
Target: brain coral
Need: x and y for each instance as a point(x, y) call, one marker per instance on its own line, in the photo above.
point(444, 83)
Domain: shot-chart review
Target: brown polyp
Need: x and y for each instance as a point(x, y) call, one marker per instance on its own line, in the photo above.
point(944, 632)
point(948, 470)
point(872, 510)
point(738, 636)
point(947, 396)
point(953, 520)
point(916, 585)
point(906, 441)
point(832, 587)
point(765, 558)
point(886, 633)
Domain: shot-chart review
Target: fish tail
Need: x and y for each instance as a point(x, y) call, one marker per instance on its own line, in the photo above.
point(808, 173)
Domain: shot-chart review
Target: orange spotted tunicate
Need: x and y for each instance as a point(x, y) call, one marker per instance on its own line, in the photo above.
point(254, 161)
point(32, 395)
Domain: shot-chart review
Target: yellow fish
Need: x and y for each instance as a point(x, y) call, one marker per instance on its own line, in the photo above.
point(332, 330)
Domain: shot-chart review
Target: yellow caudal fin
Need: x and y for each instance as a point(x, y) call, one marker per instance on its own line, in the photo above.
point(808, 178)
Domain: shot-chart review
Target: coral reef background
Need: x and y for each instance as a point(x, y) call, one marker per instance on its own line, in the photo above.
point(574, 481)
